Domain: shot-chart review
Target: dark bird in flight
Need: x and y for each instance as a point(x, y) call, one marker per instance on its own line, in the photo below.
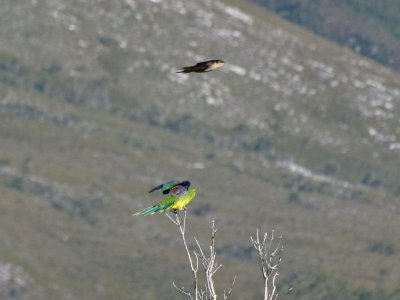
point(204, 66)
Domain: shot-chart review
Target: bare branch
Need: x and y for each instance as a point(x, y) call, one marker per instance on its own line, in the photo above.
point(197, 261)
point(182, 226)
point(227, 294)
point(269, 248)
point(270, 253)
point(274, 286)
point(167, 214)
point(202, 256)
point(182, 290)
point(208, 261)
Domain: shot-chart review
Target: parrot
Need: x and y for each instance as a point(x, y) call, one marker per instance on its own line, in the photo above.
point(180, 194)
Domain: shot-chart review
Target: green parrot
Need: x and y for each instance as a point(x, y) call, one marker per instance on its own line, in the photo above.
point(180, 194)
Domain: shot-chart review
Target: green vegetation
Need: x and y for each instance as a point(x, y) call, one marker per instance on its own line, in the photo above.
point(369, 27)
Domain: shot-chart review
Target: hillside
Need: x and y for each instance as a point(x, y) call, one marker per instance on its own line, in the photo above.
point(293, 134)
point(368, 27)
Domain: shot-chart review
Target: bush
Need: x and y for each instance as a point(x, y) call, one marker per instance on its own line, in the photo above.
point(294, 197)
point(371, 179)
point(382, 248)
point(330, 169)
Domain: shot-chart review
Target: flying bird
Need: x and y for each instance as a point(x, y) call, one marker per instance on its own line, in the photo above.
point(204, 66)
point(180, 194)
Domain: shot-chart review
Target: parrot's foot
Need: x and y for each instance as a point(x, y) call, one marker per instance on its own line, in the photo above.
point(175, 211)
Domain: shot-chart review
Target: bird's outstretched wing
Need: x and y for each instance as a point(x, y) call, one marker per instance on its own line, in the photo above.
point(164, 186)
point(179, 188)
point(172, 187)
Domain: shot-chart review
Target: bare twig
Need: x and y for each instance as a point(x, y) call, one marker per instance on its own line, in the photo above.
point(167, 214)
point(270, 257)
point(181, 223)
point(227, 294)
point(208, 262)
point(268, 246)
point(182, 290)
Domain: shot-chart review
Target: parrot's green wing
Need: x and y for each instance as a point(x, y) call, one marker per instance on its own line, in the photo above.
point(164, 186)
point(164, 205)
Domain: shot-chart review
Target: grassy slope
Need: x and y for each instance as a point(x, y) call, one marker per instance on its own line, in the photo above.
point(369, 27)
point(88, 125)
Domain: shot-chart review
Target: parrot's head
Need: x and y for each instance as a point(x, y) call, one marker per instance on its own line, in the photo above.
point(186, 184)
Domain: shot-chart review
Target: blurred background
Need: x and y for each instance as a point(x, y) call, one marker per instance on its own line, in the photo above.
point(297, 133)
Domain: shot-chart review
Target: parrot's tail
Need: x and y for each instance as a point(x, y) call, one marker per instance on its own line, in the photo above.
point(153, 209)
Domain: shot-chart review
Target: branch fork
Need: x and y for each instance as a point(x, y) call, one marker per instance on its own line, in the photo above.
point(208, 261)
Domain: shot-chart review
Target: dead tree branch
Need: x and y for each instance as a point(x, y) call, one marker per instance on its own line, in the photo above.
point(270, 251)
point(208, 262)
point(181, 223)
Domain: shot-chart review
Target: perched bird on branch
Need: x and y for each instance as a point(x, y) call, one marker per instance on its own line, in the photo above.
point(180, 194)
point(204, 66)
